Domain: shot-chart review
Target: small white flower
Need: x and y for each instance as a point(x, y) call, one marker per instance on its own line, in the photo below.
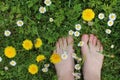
point(90, 23)
point(78, 59)
point(12, 63)
point(77, 26)
point(112, 16)
point(81, 43)
point(77, 67)
point(0, 59)
point(112, 46)
point(46, 65)
point(51, 19)
point(47, 2)
point(6, 68)
point(110, 22)
point(108, 31)
point(7, 33)
point(64, 56)
point(45, 69)
point(76, 33)
point(74, 55)
point(101, 16)
point(42, 9)
point(20, 23)
point(77, 75)
point(71, 32)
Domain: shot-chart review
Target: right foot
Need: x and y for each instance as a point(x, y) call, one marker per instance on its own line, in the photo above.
point(92, 57)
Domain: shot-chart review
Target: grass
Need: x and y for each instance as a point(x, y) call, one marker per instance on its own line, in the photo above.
point(66, 13)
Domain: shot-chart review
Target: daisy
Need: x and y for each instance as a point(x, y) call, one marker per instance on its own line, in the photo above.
point(77, 26)
point(77, 67)
point(6, 68)
point(45, 69)
point(108, 31)
point(12, 63)
point(20, 23)
point(112, 16)
point(64, 56)
point(46, 65)
point(110, 22)
point(77, 75)
point(7, 33)
point(90, 23)
point(76, 33)
point(112, 46)
point(101, 16)
point(42, 9)
point(47, 2)
point(74, 56)
point(81, 43)
point(51, 19)
point(71, 32)
point(0, 59)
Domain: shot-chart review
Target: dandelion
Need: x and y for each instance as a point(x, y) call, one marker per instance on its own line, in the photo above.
point(55, 58)
point(46, 65)
point(108, 31)
point(64, 56)
point(112, 46)
point(7, 33)
point(20, 23)
point(47, 2)
point(33, 69)
point(77, 67)
point(101, 16)
point(112, 16)
point(71, 32)
point(10, 52)
point(81, 43)
point(88, 14)
point(12, 63)
point(110, 23)
point(38, 43)
point(51, 19)
point(77, 26)
point(27, 44)
point(6, 68)
point(45, 69)
point(40, 58)
point(42, 9)
point(0, 59)
point(76, 33)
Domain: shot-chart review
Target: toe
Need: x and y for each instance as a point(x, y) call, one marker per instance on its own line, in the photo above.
point(94, 41)
point(98, 46)
point(91, 38)
point(64, 43)
point(85, 38)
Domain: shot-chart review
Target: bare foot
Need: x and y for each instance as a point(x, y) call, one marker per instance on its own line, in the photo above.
point(93, 59)
point(65, 68)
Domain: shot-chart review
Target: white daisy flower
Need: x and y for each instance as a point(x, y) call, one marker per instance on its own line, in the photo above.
point(112, 16)
point(77, 67)
point(76, 33)
point(77, 75)
point(64, 56)
point(6, 68)
point(101, 16)
point(74, 55)
point(44, 69)
point(81, 43)
point(47, 2)
point(0, 59)
point(90, 23)
point(7, 33)
point(71, 32)
point(78, 59)
point(12, 63)
point(46, 65)
point(51, 19)
point(42, 9)
point(110, 22)
point(112, 46)
point(108, 31)
point(77, 26)
point(20, 23)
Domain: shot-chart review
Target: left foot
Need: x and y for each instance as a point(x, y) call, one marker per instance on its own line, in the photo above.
point(65, 68)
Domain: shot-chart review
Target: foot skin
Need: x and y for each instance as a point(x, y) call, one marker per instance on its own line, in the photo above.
point(93, 59)
point(65, 68)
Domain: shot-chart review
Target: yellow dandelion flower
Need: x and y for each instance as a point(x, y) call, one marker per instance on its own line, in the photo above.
point(33, 69)
point(10, 52)
point(40, 58)
point(38, 43)
point(27, 44)
point(88, 14)
point(55, 58)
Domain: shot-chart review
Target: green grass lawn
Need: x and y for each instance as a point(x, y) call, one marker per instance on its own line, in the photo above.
point(60, 17)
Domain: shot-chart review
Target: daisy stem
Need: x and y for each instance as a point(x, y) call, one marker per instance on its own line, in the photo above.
point(69, 3)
